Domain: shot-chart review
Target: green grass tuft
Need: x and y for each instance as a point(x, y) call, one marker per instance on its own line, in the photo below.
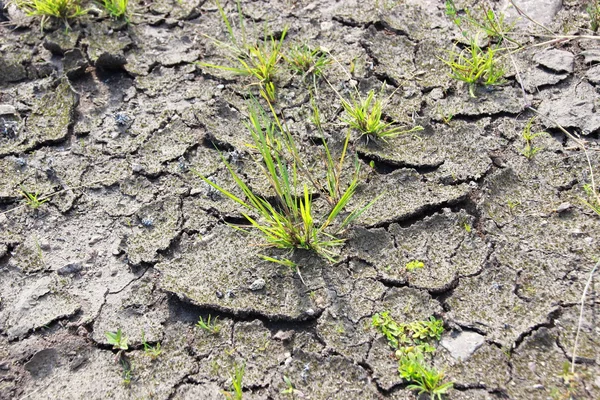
point(475, 66)
point(366, 116)
point(259, 61)
point(288, 222)
point(117, 8)
point(47, 9)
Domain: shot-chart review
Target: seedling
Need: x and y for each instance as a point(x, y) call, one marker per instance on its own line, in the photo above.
point(365, 116)
point(258, 61)
point(493, 25)
point(423, 378)
point(304, 60)
point(32, 199)
point(290, 389)
point(47, 9)
point(593, 201)
point(414, 264)
point(117, 339)
point(593, 10)
point(152, 351)
point(475, 66)
point(290, 223)
point(332, 189)
point(530, 150)
point(209, 325)
point(236, 382)
point(411, 341)
point(412, 335)
point(117, 9)
point(127, 369)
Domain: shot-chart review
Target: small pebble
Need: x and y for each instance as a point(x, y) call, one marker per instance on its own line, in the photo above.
point(258, 284)
point(563, 207)
point(221, 87)
point(538, 387)
point(219, 294)
point(70, 269)
point(95, 239)
point(310, 312)
point(284, 336)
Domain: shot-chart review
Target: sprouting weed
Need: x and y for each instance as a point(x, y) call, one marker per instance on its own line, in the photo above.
point(209, 325)
point(493, 24)
point(366, 116)
point(259, 61)
point(148, 222)
point(414, 264)
point(290, 223)
point(117, 8)
point(412, 341)
point(530, 149)
point(305, 60)
point(127, 367)
point(452, 12)
point(236, 382)
point(423, 378)
point(414, 334)
point(47, 9)
point(475, 66)
point(152, 351)
point(32, 199)
point(593, 10)
point(289, 386)
point(117, 339)
point(593, 199)
point(122, 119)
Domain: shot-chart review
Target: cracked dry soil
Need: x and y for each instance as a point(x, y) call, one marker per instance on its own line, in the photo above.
point(113, 117)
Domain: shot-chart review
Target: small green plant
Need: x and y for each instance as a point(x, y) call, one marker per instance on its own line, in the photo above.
point(47, 9)
point(304, 60)
point(412, 335)
point(366, 116)
point(32, 199)
point(452, 12)
point(593, 10)
point(414, 264)
point(289, 224)
point(289, 390)
point(127, 368)
point(593, 199)
point(209, 325)
point(117, 339)
point(258, 61)
point(423, 378)
point(117, 8)
point(475, 66)
point(412, 341)
point(493, 24)
point(236, 382)
point(152, 351)
point(530, 149)
point(512, 204)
